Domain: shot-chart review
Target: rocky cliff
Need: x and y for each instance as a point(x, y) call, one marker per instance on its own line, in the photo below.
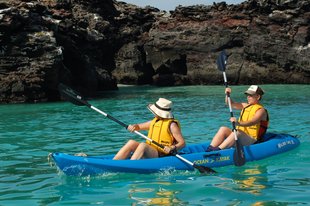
point(92, 45)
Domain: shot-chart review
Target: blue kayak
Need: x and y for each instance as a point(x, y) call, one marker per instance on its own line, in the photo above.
point(94, 165)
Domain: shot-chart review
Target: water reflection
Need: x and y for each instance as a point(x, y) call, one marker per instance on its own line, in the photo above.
point(248, 180)
point(252, 180)
point(163, 190)
point(159, 197)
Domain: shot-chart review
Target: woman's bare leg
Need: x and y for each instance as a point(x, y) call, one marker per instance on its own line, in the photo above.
point(228, 142)
point(220, 137)
point(126, 150)
point(144, 151)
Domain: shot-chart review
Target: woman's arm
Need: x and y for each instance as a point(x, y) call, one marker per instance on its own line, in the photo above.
point(176, 132)
point(234, 105)
point(140, 126)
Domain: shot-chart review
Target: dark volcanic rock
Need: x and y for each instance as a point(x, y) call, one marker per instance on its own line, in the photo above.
point(268, 42)
point(92, 45)
point(30, 58)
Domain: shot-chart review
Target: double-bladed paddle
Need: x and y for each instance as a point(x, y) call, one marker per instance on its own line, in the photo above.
point(77, 99)
point(239, 158)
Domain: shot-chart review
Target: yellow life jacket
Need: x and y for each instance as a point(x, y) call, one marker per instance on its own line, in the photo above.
point(258, 130)
point(160, 132)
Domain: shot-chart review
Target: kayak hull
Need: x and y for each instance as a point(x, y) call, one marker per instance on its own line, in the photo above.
point(94, 165)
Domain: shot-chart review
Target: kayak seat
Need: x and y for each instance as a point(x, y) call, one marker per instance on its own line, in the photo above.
point(194, 148)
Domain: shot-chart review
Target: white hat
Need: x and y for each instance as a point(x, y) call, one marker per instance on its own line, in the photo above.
point(162, 108)
point(254, 89)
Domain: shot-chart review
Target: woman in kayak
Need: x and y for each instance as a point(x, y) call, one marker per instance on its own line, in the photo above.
point(163, 129)
point(252, 123)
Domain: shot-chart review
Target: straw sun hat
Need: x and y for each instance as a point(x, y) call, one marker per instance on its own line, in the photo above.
point(162, 108)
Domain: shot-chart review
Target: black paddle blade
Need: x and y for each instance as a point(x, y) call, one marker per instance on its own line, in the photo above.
point(239, 157)
point(204, 170)
point(221, 61)
point(71, 95)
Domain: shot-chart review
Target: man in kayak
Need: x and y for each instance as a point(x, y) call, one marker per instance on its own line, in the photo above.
point(252, 123)
point(163, 129)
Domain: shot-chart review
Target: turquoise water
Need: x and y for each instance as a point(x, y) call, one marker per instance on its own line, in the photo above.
point(29, 132)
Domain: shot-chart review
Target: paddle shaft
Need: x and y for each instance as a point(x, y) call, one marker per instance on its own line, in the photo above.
point(230, 107)
point(239, 158)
